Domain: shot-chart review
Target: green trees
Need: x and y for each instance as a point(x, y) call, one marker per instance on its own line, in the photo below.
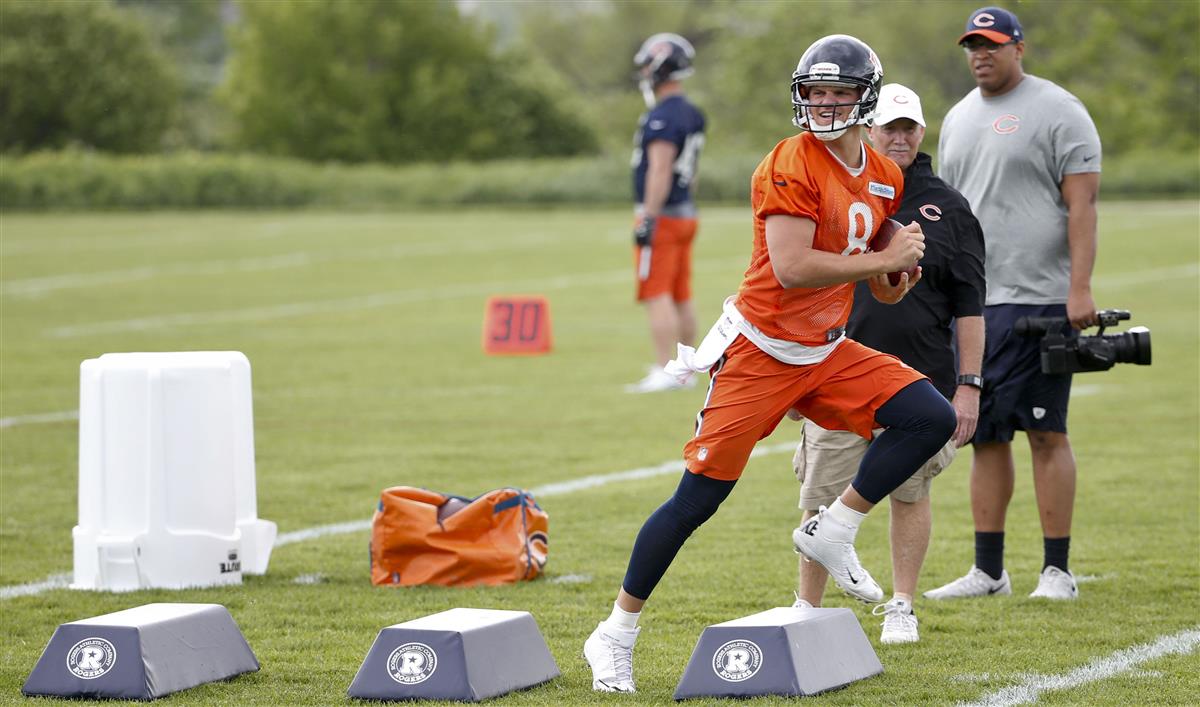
point(375, 80)
point(401, 81)
point(1132, 62)
point(80, 73)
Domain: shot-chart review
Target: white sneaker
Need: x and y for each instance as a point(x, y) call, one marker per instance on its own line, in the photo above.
point(609, 652)
point(975, 583)
point(800, 603)
point(1056, 584)
point(658, 380)
point(899, 622)
point(813, 540)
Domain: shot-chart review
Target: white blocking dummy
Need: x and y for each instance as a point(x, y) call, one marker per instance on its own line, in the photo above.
point(166, 473)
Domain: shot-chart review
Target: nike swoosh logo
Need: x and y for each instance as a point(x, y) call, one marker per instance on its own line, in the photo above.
point(993, 590)
point(852, 579)
point(1089, 158)
point(780, 183)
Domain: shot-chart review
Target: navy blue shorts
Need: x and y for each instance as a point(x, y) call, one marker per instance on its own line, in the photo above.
point(1016, 394)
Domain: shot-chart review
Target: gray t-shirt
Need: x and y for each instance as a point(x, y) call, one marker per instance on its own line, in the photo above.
point(1008, 155)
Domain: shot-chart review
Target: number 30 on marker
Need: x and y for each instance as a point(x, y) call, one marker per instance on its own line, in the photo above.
point(516, 324)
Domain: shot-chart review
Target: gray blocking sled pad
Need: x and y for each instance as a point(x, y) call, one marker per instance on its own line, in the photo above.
point(783, 651)
point(142, 653)
point(461, 654)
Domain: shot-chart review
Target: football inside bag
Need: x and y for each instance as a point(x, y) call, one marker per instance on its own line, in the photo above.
point(425, 537)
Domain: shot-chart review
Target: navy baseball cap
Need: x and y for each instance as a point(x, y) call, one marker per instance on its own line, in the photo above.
point(994, 23)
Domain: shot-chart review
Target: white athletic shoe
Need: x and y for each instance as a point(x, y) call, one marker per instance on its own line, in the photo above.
point(813, 540)
point(1056, 584)
point(899, 622)
point(609, 652)
point(975, 583)
point(800, 603)
point(658, 380)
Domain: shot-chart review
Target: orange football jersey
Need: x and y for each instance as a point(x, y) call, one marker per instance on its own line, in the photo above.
point(800, 177)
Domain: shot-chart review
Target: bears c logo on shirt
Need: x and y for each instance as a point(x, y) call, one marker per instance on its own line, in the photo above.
point(1006, 124)
point(931, 212)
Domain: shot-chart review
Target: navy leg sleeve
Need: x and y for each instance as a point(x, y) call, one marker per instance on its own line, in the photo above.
point(918, 421)
point(665, 531)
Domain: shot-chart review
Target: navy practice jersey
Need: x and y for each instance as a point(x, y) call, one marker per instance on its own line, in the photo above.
point(917, 328)
point(679, 122)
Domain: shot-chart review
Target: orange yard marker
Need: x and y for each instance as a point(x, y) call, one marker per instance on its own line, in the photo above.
point(516, 325)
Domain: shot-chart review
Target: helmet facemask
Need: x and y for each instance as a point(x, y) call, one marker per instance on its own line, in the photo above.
point(805, 111)
point(842, 61)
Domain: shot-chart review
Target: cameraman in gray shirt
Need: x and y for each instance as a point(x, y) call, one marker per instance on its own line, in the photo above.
point(1026, 155)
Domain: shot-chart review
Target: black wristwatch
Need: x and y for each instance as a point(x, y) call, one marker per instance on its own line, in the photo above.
point(970, 379)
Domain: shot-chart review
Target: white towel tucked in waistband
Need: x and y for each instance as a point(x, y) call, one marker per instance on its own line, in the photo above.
point(690, 361)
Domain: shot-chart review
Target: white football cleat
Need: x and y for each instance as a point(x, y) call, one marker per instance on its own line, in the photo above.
point(1056, 584)
point(658, 380)
point(609, 652)
point(813, 540)
point(975, 583)
point(899, 622)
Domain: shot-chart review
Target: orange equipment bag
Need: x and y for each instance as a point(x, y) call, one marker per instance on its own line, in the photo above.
point(425, 537)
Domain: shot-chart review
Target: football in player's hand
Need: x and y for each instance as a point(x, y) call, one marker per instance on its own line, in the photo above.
point(884, 236)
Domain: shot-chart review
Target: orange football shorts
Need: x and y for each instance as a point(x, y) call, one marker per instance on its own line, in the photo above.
point(751, 392)
point(665, 266)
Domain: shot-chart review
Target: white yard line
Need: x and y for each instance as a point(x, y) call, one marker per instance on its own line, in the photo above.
point(320, 531)
point(65, 415)
point(37, 286)
point(1123, 661)
point(349, 304)
point(1141, 277)
point(1082, 391)
point(38, 419)
point(82, 244)
point(54, 581)
point(386, 299)
point(674, 466)
point(559, 488)
point(549, 490)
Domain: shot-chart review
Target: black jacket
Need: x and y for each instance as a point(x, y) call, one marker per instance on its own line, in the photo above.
point(917, 329)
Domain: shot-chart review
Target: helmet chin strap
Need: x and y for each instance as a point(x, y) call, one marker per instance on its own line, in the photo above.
point(829, 136)
point(647, 93)
point(838, 127)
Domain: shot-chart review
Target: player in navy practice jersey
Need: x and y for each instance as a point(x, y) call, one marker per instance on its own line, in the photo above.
point(666, 151)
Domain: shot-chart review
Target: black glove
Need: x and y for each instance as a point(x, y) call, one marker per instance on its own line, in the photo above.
point(643, 233)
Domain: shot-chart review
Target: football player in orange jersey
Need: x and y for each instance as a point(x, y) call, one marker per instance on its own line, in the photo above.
point(818, 198)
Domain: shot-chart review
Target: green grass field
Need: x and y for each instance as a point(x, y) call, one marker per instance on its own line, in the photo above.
point(364, 331)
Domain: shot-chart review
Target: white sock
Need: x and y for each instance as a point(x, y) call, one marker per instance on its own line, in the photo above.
point(620, 618)
point(848, 518)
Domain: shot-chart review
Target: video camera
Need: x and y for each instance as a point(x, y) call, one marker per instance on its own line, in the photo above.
point(1063, 352)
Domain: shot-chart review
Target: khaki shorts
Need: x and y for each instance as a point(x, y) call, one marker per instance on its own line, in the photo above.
point(827, 460)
